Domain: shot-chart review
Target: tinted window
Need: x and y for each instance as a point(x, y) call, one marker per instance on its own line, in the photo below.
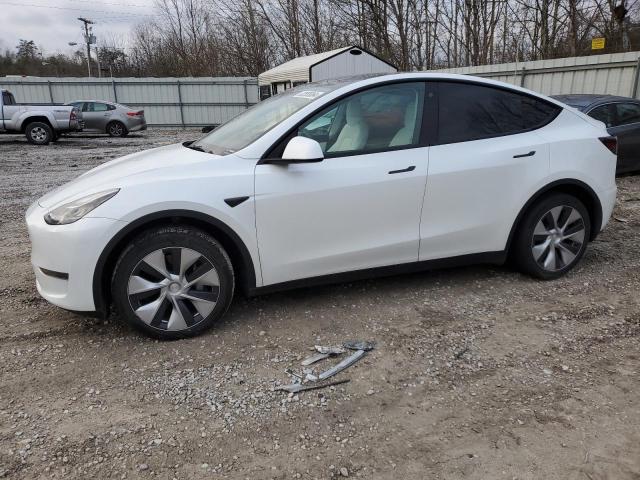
point(604, 113)
point(373, 120)
point(7, 98)
point(627, 113)
point(471, 112)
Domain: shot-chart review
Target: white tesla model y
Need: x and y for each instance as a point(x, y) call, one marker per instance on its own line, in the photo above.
point(327, 182)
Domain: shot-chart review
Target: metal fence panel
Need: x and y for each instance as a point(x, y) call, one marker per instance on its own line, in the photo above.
point(166, 101)
point(615, 74)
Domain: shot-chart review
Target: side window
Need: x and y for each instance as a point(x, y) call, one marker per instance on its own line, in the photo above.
point(100, 107)
point(265, 91)
point(111, 107)
point(604, 113)
point(627, 113)
point(8, 99)
point(377, 119)
point(472, 112)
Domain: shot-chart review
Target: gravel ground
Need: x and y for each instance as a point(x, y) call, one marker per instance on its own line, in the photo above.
point(479, 372)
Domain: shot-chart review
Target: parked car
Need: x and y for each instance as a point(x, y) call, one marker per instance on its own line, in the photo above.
point(41, 124)
point(112, 118)
point(329, 181)
point(621, 115)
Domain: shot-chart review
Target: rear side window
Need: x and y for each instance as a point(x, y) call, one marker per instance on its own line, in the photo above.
point(473, 112)
point(98, 107)
point(627, 113)
point(604, 113)
point(7, 98)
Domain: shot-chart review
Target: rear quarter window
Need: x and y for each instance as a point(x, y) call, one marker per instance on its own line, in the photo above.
point(472, 112)
point(7, 98)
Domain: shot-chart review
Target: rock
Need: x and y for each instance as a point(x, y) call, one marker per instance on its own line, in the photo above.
point(143, 466)
point(344, 472)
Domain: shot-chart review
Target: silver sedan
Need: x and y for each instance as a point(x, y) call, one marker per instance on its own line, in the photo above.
point(113, 118)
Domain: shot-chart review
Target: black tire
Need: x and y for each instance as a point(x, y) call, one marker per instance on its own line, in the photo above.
point(39, 133)
point(168, 240)
point(117, 129)
point(524, 242)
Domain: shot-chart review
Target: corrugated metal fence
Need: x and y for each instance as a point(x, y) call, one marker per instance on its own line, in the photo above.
point(615, 74)
point(167, 102)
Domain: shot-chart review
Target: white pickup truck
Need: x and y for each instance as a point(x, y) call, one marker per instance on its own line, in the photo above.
point(40, 123)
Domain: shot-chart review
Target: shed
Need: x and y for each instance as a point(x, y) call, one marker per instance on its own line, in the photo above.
point(341, 62)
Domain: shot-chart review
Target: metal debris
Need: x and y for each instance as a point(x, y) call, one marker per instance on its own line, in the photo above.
point(330, 350)
point(314, 358)
point(359, 345)
point(299, 387)
point(289, 371)
point(347, 362)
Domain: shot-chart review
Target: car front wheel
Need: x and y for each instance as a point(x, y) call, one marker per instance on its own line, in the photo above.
point(552, 237)
point(173, 282)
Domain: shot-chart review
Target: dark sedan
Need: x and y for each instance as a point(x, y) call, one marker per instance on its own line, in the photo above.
point(621, 115)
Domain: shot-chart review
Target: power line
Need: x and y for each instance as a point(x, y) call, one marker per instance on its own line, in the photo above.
point(77, 9)
point(111, 3)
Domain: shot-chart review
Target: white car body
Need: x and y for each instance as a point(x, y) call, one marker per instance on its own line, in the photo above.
point(313, 220)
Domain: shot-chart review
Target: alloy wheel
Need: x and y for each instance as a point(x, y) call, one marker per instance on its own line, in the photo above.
point(38, 134)
point(173, 288)
point(116, 129)
point(558, 238)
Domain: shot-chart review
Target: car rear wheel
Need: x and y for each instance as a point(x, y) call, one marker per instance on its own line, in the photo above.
point(173, 282)
point(117, 129)
point(39, 133)
point(552, 237)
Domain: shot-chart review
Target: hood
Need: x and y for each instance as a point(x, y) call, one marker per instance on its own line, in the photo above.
point(124, 171)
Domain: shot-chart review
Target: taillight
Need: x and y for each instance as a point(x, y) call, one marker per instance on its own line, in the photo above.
point(611, 143)
point(136, 114)
point(72, 116)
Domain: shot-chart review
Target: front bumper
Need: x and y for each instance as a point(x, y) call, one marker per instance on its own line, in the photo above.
point(64, 257)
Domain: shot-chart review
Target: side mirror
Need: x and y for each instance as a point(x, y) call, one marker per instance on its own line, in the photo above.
point(299, 150)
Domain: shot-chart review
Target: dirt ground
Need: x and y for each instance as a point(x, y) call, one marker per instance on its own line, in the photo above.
point(479, 372)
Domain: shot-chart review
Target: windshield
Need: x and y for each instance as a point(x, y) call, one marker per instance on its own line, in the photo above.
point(251, 124)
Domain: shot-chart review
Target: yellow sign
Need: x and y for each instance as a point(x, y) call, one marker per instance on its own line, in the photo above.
point(597, 43)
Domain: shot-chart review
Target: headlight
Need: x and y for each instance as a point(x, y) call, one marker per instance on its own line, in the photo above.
point(75, 210)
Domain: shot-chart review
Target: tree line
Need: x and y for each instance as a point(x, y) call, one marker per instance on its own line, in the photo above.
point(247, 37)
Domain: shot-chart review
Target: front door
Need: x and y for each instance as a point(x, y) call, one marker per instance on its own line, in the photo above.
point(358, 208)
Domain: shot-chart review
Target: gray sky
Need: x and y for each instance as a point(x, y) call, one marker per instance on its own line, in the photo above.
point(52, 24)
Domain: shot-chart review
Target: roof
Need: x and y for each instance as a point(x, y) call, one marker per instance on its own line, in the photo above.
point(299, 68)
point(304, 63)
point(584, 100)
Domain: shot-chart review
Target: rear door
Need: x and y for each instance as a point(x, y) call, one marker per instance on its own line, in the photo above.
point(359, 207)
point(96, 115)
point(485, 156)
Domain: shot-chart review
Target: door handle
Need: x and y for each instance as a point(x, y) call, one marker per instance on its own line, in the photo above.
point(522, 155)
point(404, 170)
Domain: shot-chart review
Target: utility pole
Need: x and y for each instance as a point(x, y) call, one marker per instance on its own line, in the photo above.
point(88, 40)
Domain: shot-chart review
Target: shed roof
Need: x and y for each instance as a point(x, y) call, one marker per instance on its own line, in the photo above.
point(301, 64)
